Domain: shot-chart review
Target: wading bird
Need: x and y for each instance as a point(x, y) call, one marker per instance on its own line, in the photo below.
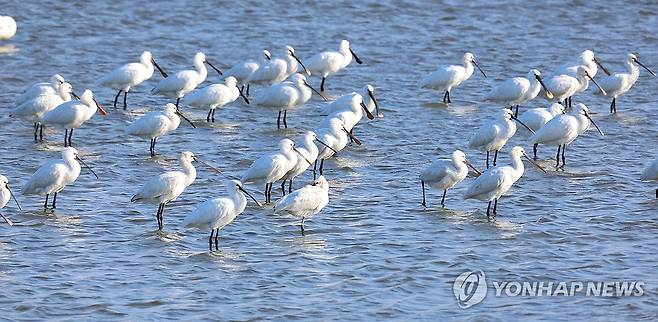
point(444, 174)
point(328, 63)
point(445, 78)
point(305, 202)
point(72, 114)
point(183, 82)
point(620, 83)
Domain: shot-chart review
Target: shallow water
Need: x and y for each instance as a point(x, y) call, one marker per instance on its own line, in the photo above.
point(374, 252)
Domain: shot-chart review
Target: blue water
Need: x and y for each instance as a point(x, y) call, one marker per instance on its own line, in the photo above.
point(373, 252)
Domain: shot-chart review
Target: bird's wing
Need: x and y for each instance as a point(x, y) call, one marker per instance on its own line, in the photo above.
point(554, 130)
point(272, 70)
point(306, 198)
point(63, 113)
point(442, 76)
point(123, 75)
point(152, 123)
point(41, 103)
point(204, 95)
point(50, 173)
point(158, 185)
point(561, 83)
point(208, 213)
point(612, 83)
point(509, 90)
point(436, 171)
point(323, 61)
point(484, 136)
point(279, 95)
point(175, 82)
point(489, 181)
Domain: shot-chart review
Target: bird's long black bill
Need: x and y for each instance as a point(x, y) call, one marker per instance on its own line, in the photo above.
point(300, 63)
point(534, 163)
point(246, 100)
point(596, 126)
point(549, 94)
point(357, 141)
point(185, 118)
point(14, 197)
point(86, 166)
point(365, 108)
point(597, 85)
point(250, 196)
point(161, 70)
point(470, 165)
point(598, 63)
point(75, 95)
point(645, 67)
point(219, 71)
point(301, 155)
point(208, 165)
point(528, 128)
point(480, 69)
point(9, 222)
point(374, 100)
point(316, 92)
point(358, 61)
point(327, 146)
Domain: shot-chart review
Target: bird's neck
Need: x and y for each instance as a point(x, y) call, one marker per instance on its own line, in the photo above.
point(240, 201)
point(469, 69)
point(634, 70)
point(518, 166)
point(347, 56)
point(190, 172)
point(202, 70)
point(64, 94)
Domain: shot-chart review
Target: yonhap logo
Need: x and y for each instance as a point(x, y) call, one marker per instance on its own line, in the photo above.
point(470, 288)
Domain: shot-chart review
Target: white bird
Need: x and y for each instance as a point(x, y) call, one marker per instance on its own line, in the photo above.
point(276, 70)
point(271, 167)
point(242, 71)
point(216, 213)
point(130, 75)
point(285, 96)
point(54, 175)
point(493, 135)
point(445, 78)
point(650, 173)
point(588, 61)
point(537, 117)
point(215, 96)
point(72, 114)
point(156, 124)
point(309, 152)
point(495, 182)
point(183, 82)
point(350, 113)
point(37, 89)
point(620, 83)
point(335, 136)
point(344, 103)
point(564, 129)
point(305, 202)
point(166, 187)
point(5, 195)
point(328, 63)
point(7, 27)
point(563, 87)
point(444, 174)
point(33, 109)
point(518, 90)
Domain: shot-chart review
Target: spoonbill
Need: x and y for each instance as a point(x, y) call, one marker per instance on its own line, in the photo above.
point(72, 114)
point(33, 109)
point(328, 63)
point(305, 202)
point(166, 187)
point(242, 71)
point(7, 27)
point(444, 174)
point(309, 151)
point(493, 135)
point(518, 90)
point(5, 195)
point(183, 82)
point(335, 136)
point(620, 83)
point(54, 175)
point(650, 173)
point(276, 70)
point(270, 168)
point(285, 96)
point(156, 124)
point(215, 96)
point(587, 60)
point(537, 117)
point(130, 75)
point(351, 113)
point(343, 103)
point(564, 129)
point(445, 78)
point(216, 213)
point(563, 87)
point(37, 89)
point(495, 182)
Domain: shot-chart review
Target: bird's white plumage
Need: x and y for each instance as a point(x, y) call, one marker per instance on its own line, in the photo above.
point(215, 95)
point(37, 89)
point(517, 90)
point(537, 117)
point(183, 82)
point(130, 75)
point(7, 27)
point(445, 78)
point(333, 135)
point(493, 135)
point(618, 84)
point(563, 128)
point(350, 114)
point(54, 175)
point(306, 201)
point(651, 172)
point(276, 70)
point(328, 63)
point(495, 182)
point(167, 186)
point(286, 95)
point(242, 71)
point(271, 167)
point(444, 174)
point(34, 109)
point(218, 212)
point(309, 151)
point(155, 124)
point(72, 114)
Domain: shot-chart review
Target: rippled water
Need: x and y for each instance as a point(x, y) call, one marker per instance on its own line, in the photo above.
point(374, 252)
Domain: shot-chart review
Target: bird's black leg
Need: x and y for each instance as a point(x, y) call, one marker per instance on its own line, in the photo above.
point(534, 149)
point(322, 84)
point(449, 101)
point(564, 149)
point(208, 117)
point(212, 117)
point(36, 129)
point(177, 101)
point(54, 200)
point(495, 206)
point(248, 89)
point(212, 231)
point(656, 193)
point(443, 198)
point(445, 97)
point(66, 136)
point(557, 157)
point(422, 185)
point(495, 158)
point(45, 204)
point(488, 207)
point(278, 121)
point(283, 187)
point(487, 159)
point(301, 226)
point(321, 166)
point(41, 132)
point(70, 136)
point(285, 115)
point(290, 186)
point(125, 100)
point(116, 98)
point(159, 216)
point(516, 114)
point(217, 239)
point(315, 166)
